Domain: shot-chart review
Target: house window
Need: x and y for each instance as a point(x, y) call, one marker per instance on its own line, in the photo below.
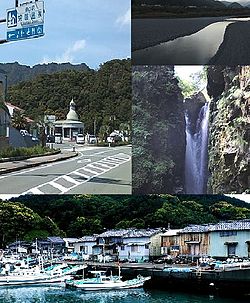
point(134, 248)
point(231, 249)
point(122, 247)
point(227, 233)
point(146, 246)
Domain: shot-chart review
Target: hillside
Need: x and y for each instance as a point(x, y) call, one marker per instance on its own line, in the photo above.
point(187, 8)
point(17, 73)
point(98, 94)
point(86, 214)
point(198, 3)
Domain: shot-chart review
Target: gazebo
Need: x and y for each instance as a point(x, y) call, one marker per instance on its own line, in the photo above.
point(70, 127)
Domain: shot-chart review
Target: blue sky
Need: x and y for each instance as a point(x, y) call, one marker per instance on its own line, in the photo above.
point(76, 31)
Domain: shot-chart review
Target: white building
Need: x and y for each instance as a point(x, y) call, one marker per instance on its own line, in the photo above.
point(87, 246)
point(69, 244)
point(70, 127)
point(140, 244)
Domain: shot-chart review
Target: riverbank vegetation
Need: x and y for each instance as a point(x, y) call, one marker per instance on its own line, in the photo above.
point(29, 217)
point(186, 9)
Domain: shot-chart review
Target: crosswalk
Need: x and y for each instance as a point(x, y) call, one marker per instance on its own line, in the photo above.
point(65, 183)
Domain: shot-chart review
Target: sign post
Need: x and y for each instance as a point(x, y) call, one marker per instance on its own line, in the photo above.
point(25, 21)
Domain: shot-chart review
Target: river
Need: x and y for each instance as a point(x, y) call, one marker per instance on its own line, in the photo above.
point(197, 48)
point(60, 295)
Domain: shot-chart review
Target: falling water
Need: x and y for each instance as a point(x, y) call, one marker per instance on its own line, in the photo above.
point(197, 153)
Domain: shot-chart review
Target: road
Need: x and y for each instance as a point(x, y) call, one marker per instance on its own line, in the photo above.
point(96, 170)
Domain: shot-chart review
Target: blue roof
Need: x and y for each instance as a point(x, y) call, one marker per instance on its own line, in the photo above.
point(57, 240)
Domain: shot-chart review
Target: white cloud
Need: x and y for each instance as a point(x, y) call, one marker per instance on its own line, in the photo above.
point(124, 19)
point(68, 55)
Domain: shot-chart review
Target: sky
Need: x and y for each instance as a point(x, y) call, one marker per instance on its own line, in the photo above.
point(184, 71)
point(76, 31)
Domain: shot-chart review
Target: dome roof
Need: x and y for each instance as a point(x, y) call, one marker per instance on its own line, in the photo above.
point(72, 115)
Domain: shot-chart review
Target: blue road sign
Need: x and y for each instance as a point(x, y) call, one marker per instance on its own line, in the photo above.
point(25, 33)
point(12, 18)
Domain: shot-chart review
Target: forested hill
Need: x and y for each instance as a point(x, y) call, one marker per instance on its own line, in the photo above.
point(198, 3)
point(17, 73)
point(86, 214)
point(98, 94)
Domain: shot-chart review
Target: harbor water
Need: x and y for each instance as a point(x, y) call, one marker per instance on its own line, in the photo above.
point(56, 294)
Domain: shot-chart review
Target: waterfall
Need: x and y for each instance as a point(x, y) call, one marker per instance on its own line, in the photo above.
point(197, 153)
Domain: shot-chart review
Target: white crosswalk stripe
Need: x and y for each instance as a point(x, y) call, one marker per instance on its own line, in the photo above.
point(88, 172)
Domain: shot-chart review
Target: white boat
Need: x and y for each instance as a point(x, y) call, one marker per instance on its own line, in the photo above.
point(102, 282)
point(36, 275)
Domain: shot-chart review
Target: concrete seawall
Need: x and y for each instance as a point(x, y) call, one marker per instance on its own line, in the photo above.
point(234, 282)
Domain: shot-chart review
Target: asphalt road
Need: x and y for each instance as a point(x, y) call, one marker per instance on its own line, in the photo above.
point(96, 170)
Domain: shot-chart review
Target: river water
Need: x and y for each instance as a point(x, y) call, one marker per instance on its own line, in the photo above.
point(60, 295)
point(197, 48)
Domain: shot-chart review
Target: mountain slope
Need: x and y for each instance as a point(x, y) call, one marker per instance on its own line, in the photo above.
point(98, 94)
point(17, 73)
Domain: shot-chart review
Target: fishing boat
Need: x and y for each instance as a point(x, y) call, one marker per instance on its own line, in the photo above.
point(101, 281)
point(36, 275)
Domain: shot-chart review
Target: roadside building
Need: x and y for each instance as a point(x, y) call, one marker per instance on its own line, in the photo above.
point(56, 244)
point(87, 246)
point(221, 240)
point(140, 244)
point(69, 244)
point(110, 240)
point(170, 242)
point(4, 125)
point(229, 239)
point(69, 128)
point(194, 240)
point(4, 118)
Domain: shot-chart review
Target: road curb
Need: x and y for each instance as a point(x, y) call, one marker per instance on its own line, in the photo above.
point(20, 158)
point(10, 170)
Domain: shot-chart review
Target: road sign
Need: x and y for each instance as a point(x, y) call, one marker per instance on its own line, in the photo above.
point(25, 33)
point(25, 21)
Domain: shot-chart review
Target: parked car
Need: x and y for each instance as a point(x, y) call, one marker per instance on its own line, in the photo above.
point(92, 139)
point(24, 132)
point(80, 139)
point(114, 139)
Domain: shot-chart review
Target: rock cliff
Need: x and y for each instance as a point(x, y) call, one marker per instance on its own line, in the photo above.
point(229, 89)
point(158, 131)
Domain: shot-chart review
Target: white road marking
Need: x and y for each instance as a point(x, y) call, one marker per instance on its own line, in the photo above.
point(25, 171)
point(71, 180)
point(94, 169)
point(84, 161)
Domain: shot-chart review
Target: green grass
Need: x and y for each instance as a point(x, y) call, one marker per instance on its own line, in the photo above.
point(23, 151)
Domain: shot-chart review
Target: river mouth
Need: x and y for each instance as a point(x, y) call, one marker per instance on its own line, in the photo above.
point(196, 49)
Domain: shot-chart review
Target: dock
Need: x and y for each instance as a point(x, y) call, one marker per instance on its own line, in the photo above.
point(224, 281)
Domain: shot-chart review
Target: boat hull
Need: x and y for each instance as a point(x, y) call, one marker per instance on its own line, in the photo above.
point(107, 286)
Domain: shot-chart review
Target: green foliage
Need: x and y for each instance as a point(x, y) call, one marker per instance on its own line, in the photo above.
point(20, 222)
point(187, 88)
point(98, 95)
point(23, 151)
point(76, 216)
point(158, 130)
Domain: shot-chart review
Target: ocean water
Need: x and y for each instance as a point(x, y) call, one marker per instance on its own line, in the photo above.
point(60, 294)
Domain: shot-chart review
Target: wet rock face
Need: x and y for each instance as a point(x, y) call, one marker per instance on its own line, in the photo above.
point(192, 106)
point(159, 138)
point(229, 129)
